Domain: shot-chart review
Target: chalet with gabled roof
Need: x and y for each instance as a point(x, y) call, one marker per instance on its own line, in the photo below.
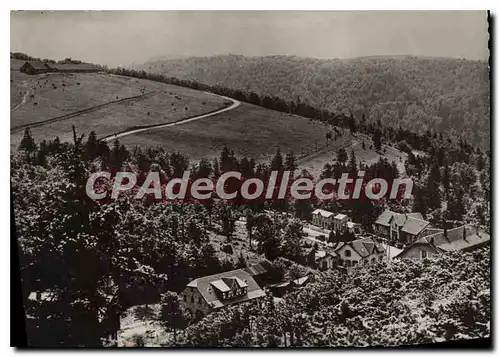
point(206, 294)
point(360, 252)
point(405, 228)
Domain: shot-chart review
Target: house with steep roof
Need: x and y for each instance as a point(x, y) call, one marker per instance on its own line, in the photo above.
point(465, 238)
point(405, 228)
point(360, 252)
point(206, 294)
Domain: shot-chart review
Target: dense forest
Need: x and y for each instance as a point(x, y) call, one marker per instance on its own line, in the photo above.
point(450, 96)
point(144, 249)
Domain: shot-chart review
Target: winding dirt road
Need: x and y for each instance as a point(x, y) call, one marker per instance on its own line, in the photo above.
point(235, 104)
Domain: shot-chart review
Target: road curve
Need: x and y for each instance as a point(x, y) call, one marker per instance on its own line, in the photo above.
point(236, 103)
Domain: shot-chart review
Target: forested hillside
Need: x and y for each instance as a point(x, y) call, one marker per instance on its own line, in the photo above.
point(418, 94)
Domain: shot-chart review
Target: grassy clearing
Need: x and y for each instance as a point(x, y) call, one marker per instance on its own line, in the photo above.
point(248, 130)
point(168, 103)
point(56, 94)
point(19, 82)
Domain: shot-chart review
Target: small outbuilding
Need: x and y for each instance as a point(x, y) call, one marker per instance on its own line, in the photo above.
point(35, 67)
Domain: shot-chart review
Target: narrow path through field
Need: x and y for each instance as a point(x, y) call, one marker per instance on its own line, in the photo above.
point(235, 104)
point(79, 112)
point(23, 83)
point(23, 100)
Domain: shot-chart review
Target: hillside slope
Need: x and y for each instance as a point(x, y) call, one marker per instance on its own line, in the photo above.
point(64, 99)
point(446, 95)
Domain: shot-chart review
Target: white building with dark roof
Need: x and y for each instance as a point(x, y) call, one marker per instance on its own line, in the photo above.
point(340, 223)
point(329, 220)
point(322, 218)
point(360, 252)
point(205, 294)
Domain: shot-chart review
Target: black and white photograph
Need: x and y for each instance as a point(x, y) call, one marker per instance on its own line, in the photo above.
point(251, 179)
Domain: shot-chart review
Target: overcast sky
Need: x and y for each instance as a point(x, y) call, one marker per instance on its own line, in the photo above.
point(123, 37)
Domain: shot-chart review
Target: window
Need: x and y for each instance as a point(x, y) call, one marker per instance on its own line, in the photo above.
point(185, 298)
point(424, 254)
point(347, 253)
point(354, 263)
point(192, 298)
point(199, 300)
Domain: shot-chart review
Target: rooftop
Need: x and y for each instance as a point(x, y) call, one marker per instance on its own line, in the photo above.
point(224, 282)
point(460, 238)
point(364, 246)
point(412, 223)
point(323, 212)
point(37, 64)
